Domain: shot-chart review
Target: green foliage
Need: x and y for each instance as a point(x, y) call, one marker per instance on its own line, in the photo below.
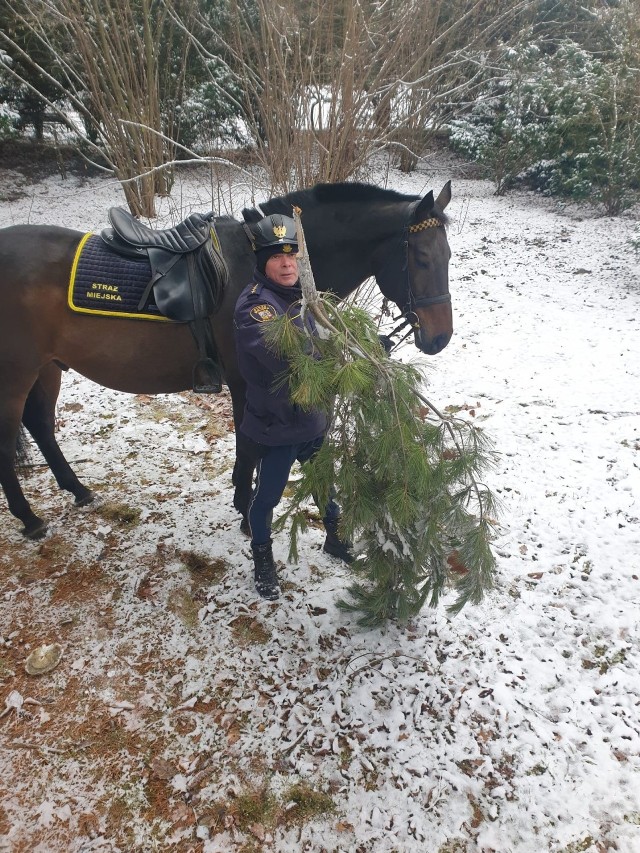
point(208, 118)
point(408, 484)
point(21, 106)
point(9, 115)
point(503, 130)
point(565, 122)
point(209, 115)
point(7, 126)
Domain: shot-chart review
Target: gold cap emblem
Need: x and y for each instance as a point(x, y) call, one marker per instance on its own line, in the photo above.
point(280, 231)
point(287, 248)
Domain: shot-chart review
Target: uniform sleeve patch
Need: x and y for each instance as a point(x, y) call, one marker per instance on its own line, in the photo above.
point(263, 313)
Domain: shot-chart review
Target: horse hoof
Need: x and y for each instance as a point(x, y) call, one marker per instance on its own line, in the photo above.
point(35, 532)
point(84, 500)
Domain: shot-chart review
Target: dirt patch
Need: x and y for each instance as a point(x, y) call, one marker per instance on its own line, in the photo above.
point(105, 722)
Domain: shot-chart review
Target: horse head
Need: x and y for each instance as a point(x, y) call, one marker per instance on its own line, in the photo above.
point(413, 272)
point(355, 231)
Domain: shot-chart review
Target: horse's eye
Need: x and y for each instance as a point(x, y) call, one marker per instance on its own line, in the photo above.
point(422, 261)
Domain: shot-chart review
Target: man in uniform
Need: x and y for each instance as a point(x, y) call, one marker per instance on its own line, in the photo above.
point(278, 430)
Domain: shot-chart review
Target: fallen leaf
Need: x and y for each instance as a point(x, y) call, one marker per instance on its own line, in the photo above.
point(162, 769)
point(257, 829)
point(146, 589)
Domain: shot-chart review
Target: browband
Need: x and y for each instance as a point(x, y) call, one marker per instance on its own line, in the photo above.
point(433, 222)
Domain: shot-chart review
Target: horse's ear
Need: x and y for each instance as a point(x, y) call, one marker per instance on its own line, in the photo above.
point(445, 196)
point(250, 214)
point(423, 208)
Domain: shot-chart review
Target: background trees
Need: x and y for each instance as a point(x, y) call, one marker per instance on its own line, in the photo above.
point(113, 71)
point(564, 118)
point(536, 90)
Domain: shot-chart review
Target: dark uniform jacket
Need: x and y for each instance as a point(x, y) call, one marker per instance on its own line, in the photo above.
point(269, 416)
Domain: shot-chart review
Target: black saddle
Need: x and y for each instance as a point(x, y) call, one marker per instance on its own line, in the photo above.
point(188, 277)
point(185, 237)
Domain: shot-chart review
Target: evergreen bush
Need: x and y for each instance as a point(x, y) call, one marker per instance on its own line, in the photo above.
point(208, 118)
point(563, 122)
point(9, 115)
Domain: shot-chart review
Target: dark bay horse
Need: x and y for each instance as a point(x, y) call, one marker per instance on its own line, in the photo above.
point(353, 232)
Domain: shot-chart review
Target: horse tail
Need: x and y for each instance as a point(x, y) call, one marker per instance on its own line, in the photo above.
point(23, 449)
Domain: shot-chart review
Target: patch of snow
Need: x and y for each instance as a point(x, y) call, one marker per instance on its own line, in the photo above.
point(512, 727)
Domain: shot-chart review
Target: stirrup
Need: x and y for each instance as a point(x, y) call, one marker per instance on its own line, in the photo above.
point(205, 378)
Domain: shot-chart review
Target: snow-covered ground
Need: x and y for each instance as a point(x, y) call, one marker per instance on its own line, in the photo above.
point(187, 715)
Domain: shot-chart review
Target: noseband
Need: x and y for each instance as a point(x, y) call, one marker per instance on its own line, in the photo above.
point(413, 302)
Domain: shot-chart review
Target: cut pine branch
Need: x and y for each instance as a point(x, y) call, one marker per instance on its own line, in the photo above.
point(410, 485)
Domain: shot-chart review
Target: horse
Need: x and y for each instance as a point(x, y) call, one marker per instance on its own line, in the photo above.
point(353, 232)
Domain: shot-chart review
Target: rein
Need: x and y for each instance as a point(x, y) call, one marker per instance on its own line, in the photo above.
point(410, 318)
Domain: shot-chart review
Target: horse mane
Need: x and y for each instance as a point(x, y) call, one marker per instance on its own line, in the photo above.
point(343, 193)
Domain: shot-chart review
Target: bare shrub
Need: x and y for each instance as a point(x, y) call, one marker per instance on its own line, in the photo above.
point(325, 84)
point(317, 85)
point(120, 66)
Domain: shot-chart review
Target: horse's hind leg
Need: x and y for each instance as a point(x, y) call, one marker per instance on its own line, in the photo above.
point(10, 411)
point(39, 419)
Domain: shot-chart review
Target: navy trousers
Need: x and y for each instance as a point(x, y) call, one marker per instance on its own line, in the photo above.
point(272, 475)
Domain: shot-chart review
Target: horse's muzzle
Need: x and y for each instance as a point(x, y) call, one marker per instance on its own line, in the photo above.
point(431, 346)
point(432, 324)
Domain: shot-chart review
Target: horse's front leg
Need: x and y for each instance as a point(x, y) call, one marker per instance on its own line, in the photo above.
point(39, 419)
point(242, 478)
point(246, 458)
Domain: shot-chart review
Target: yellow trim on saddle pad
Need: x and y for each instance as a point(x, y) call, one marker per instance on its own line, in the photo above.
point(101, 292)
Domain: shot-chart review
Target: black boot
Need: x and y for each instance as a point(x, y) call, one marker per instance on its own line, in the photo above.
point(264, 572)
point(334, 545)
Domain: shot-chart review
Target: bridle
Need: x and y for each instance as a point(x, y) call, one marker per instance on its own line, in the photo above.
point(408, 314)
